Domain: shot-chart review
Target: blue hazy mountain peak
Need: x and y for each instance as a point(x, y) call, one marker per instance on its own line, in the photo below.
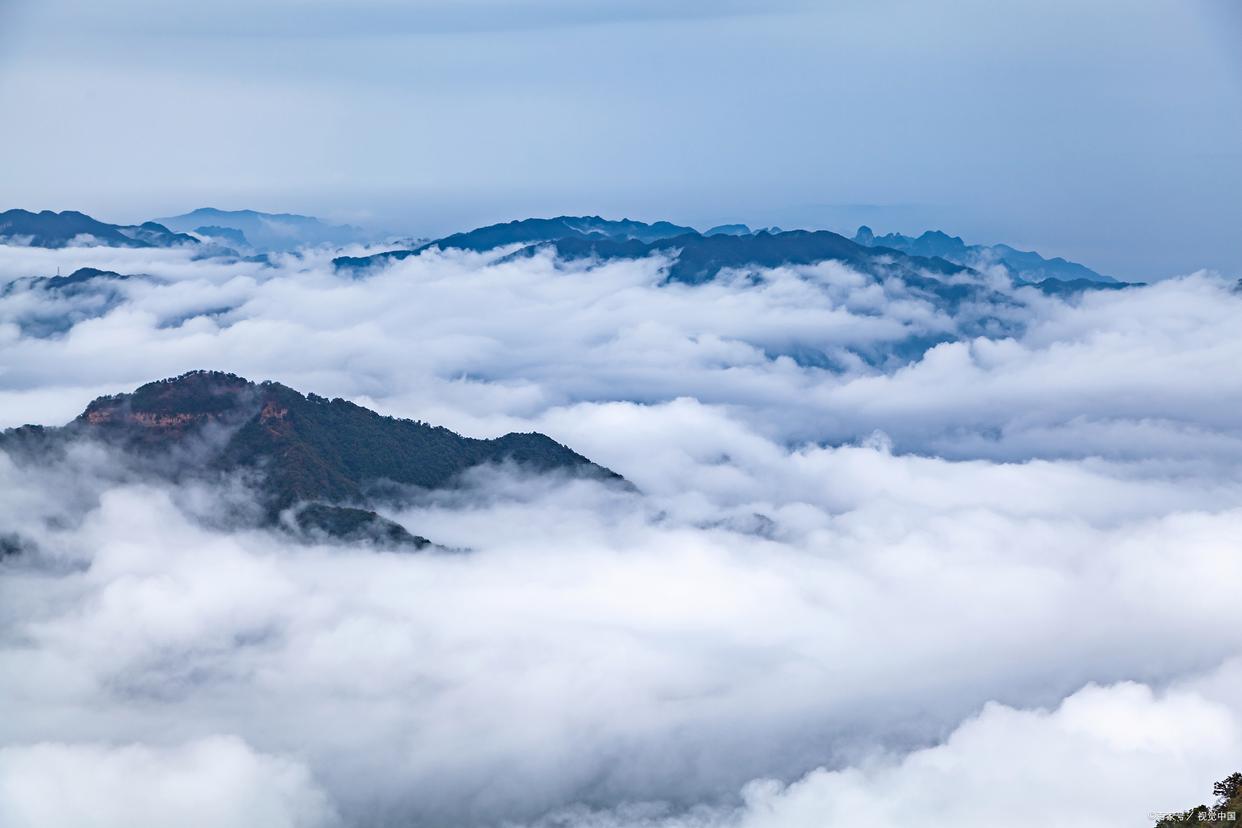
point(728, 230)
point(697, 257)
point(48, 228)
point(230, 234)
point(1023, 265)
point(534, 231)
point(268, 231)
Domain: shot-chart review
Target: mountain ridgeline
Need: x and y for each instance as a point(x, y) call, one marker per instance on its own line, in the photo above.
point(264, 231)
point(1024, 265)
point(51, 229)
point(78, 279)
point(220, 230)
point(694, 257)
point(531, 231)
point(318, 463)
point(697, 257)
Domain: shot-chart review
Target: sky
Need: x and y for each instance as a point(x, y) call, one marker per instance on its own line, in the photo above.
point(1100, 130)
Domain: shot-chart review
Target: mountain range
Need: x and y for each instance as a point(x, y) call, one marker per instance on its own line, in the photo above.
point(695, 257)
point(227, 229)
point(531, 231)
point(265, 231)
point(77, 279)
point(319, 466)
point(63, 301)
point(930, 261)
point(51, 229)
point(1024, 265)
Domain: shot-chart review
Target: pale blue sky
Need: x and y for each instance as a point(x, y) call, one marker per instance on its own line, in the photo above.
point(1102, 130)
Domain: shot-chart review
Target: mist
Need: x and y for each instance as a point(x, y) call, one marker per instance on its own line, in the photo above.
point(883, 558)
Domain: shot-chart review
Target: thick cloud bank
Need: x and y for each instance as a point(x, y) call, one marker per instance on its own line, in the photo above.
point(890, 560)
point(1075, 766)
point(208, 783)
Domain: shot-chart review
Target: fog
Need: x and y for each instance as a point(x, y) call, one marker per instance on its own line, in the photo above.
point(885, 560)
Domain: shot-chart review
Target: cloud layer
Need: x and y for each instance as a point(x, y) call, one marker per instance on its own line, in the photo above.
point(208, 783)
point(864, 573)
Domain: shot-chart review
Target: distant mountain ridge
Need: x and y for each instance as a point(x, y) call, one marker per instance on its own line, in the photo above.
point(728, 230)
point(266, 231)
point(697, 256)
point(78, 278)
point(700, 257)
point(63, 301)
point(1026, 266)
point(320, 461)
point(531, 231)
point(55, 230)
point(228, 234)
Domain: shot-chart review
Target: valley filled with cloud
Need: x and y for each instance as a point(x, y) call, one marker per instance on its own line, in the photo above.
point(886, 557)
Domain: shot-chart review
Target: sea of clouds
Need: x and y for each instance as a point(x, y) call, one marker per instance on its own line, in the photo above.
point(888, 561)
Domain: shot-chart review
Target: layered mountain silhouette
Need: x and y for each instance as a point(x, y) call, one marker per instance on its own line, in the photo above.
point(79, 278)
point(928, 262)
point(224, 234)
point(51, 229)
point(728, 230)
point(697, 257)
point(319, 463)
point(265, 231)
point(531, 231)
point(62, 301)
point(1024, 265)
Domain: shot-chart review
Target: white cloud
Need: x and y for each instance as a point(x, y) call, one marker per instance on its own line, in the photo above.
point(477, 345)
point(1107, 756)
point(208, 783)
point(802, 581)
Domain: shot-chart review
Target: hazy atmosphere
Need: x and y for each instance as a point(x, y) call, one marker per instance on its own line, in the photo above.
point(1083, 129)
point(492, 415)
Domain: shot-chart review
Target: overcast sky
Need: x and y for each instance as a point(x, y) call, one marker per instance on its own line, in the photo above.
point(1105, 131)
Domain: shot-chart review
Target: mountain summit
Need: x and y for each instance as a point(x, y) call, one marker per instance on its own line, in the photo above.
point(264, 231)
point(319, 462)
